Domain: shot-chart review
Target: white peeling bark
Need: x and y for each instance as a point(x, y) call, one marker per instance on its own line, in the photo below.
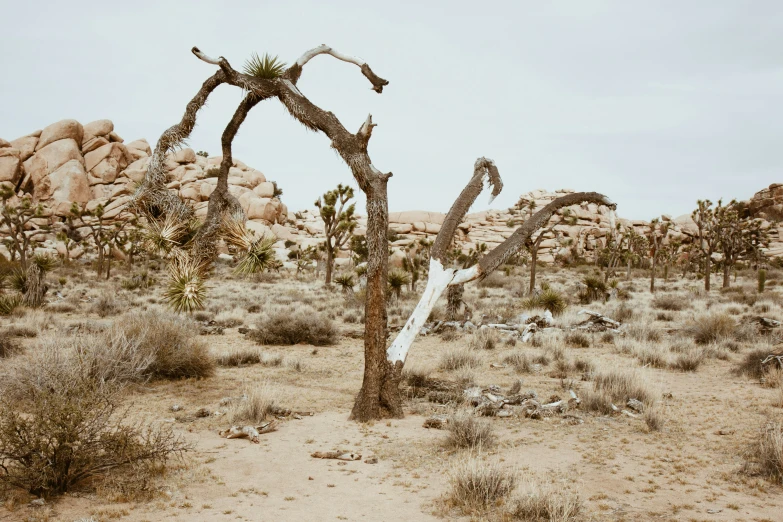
point(438, 280)
point(204, 57)
point(325, 49)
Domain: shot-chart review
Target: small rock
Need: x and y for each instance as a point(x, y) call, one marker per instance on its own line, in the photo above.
point(371, 460)
point(203, 412)
point(176, 407)
point(39, 502)
point(635, 405)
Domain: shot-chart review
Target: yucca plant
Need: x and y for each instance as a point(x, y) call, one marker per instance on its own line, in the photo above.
point(345, 282)
point(18, 280)
point(257, 254)
point(267, 67)
point(9, 303)
point(161, 237)
point(397, 280)
point(44, 262)
point(186, 288)
point(553, 301)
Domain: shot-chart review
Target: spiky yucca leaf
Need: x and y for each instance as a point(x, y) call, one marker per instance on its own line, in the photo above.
point(258, 257)
point(45, 263)
point(256, 254)
point(8, 303)
point(267, 67)
point(18, 280)
point(186, 288)
point(235, 233)
point(161, 237)
point(345, 281)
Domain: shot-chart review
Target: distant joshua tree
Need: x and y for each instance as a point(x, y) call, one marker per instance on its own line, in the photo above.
point(339, 222)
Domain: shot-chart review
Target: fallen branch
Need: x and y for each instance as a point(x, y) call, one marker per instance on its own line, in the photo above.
point(338, 455)
point(248, 432)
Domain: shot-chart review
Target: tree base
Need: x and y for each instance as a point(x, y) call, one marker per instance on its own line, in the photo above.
point(380, 398)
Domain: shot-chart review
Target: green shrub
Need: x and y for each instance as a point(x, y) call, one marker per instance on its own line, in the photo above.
point(549, 300)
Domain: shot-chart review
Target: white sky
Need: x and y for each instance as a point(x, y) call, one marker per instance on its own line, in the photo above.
point(654, 104)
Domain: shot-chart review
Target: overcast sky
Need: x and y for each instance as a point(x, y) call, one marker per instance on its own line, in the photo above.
point(654, 104)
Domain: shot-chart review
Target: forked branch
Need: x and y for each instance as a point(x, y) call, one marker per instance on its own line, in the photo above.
point(440, 277)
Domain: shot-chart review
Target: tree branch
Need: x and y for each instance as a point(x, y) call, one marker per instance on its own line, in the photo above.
point(377, 82)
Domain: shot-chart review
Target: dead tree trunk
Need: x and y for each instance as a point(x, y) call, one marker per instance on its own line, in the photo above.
point(36, 286)
point(533, 262)
point(440, 278)
point(329, 263)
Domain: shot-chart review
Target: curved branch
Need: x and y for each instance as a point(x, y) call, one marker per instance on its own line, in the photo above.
point(296, 69)
point(152, 195)
point(483, 167)
point(510, 246)
point(221, 201)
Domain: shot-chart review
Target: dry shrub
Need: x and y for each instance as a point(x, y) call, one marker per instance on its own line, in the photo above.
point(484, 339)
point(256, 406)
point(458, 358)
point(60, 427)
point(764, 455)
point(654, 417)
point(520, 362)
point(577, 340)
point(622, 313)
point(751, 364)
point(61, 307)
point(688, 361)
point(624, 384)
point(170, 343)
point(652, 356)
point(710, 328)
point(644, 332)
point(466, 431)
point(289, 326)
point(669, 302)
point(598, 401)
point(8, 345)
point(585, 367)
point(773, 378)
point(239, 357)
point(543, 502)
point(477, 486)
point(230, 318)
point(106, 304)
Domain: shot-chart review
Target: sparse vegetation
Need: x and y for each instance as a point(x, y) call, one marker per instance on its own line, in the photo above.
point(477, 485)
point(466, 431)
point(294, 327)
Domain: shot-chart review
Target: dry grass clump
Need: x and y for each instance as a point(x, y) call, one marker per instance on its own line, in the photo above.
point(773, 378)
point(688, 361)
point(669, 302)
point(169, 342)
point(654, 417)
point(751, 366)
point(597, 401)
point(256, 405)
point(239, 357)
point(651, 355)
point(8, 345)
point(764, 455)
point(106, 304)
point(710, 328)
point(61, 428)
point(543, 502)
point(577, 340)
point(624, 384)
point(520, 361)
point(466, 431)
point(477, 486)
point(484, 339)
point(458, 358)
point(644, 332)
point(289, 327)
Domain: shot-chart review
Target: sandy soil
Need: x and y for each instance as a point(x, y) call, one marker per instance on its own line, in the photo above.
point(622, 470)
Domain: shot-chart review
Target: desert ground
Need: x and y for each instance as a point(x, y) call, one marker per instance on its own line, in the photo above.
point(688, 453)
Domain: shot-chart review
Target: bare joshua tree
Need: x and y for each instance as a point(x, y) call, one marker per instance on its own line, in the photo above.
point(263, 81)
point(440, 278)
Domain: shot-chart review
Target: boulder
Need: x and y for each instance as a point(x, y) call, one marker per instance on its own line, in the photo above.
point(4, 143)
point(265, 189)
point(10, 165)
point(107, 161)
point(94, 144)
point(25, 145)
point(413, 216)
point(62, 130)
point(68, 184)
point(186, 155)
point(97, 128)
point(49, 159)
